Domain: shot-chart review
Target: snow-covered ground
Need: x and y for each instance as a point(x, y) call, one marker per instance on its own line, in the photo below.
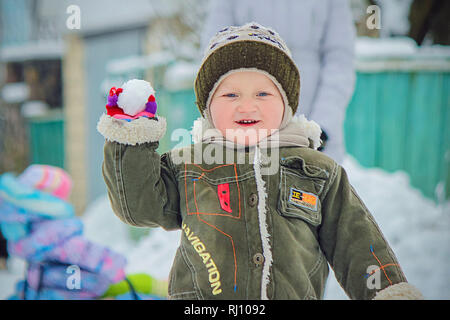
point(417, 229)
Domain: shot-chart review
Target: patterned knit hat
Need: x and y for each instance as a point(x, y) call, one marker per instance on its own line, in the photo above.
point(249, 47)
point(49, 179)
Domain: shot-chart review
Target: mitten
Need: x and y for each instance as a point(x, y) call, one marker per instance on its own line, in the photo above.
point(135, 99)
point(131, 115)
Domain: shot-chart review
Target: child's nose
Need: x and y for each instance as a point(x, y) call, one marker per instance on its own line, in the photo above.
point(247, 105)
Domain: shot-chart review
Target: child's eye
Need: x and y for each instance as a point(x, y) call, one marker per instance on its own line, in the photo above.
point(263, 94)
point(230, 95)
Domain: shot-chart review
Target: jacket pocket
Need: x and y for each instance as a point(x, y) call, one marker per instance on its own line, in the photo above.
point(212, 190)
point(300, 188)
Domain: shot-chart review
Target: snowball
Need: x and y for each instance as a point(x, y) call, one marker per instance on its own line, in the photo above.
point(134, 96)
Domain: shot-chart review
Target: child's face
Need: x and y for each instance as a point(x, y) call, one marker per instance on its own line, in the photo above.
point(250, 96)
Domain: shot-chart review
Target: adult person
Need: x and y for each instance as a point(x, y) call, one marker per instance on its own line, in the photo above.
point(321, 37)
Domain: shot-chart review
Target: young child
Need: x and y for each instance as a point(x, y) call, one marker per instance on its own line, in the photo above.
point(248, 233)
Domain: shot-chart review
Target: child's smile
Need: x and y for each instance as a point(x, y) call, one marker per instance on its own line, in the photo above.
point(246, 106)
point(247, 122)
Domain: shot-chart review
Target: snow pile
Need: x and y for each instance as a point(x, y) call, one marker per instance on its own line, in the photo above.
point(15, 92)
point(400, 47)
point(399, 54)
point(154, 254)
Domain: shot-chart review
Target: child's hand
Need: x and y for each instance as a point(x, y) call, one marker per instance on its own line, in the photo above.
point(135, 99)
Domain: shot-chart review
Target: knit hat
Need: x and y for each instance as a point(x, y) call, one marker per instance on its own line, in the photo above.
point(49, 179)
point(251, 47)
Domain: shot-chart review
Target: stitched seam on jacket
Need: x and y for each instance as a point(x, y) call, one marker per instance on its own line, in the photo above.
point(183, 295)
point(389, 250)
point(125, 202)
point(317, 264)
point(318, 169)
point(116, 160)
point(331, 181)
point(315, 181)
point(327, 174)
point(312, 272)
point(307, 295)
point(168, 211)
point(195, 174)
point(172, 279)
point(303, 176)
point(249, 253)
point(191, 267)
point(172, 172)
point(157, 176)
point(119, 176)
point(170, 164)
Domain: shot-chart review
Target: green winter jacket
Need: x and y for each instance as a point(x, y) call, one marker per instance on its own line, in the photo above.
point(248, 235)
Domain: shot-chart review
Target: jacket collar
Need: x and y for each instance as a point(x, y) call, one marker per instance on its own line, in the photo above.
point(299, 132)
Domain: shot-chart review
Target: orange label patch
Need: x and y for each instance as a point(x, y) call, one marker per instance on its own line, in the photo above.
point(303, 199)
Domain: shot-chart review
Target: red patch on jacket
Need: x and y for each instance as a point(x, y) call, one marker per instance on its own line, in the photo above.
point(223, 191)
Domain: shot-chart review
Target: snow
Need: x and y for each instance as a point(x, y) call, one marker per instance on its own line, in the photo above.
point(133, 63)
point(401, 54)
point(105, 15)
point(180, 76)
point(33, 50)
point(398, 47)
point(134, 97)
point(385, 47)
point(34, 108)
point(417, 229)
point(15, 92)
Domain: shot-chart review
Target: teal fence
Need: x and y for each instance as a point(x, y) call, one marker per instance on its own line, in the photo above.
point(180, 110)
point(400, 121)
point(46, 136)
